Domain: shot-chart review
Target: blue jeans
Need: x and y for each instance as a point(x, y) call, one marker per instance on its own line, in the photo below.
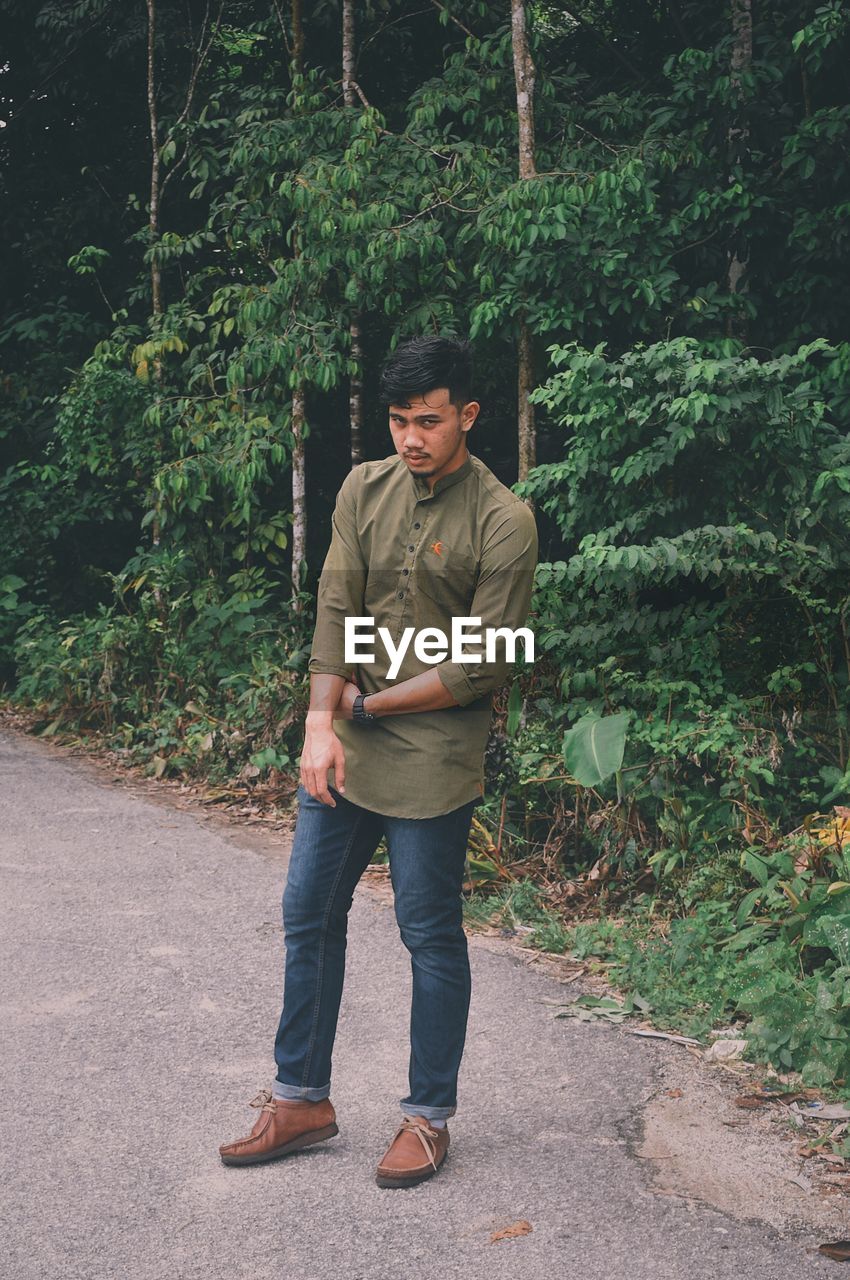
point(332, 848)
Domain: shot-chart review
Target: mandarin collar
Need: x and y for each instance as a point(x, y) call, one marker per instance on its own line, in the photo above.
point(420, 485)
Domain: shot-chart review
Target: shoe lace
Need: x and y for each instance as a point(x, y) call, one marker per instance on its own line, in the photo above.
point(264, 1101)
point(426, 1136)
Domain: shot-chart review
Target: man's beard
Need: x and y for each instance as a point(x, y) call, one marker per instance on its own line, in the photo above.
point(413, 469)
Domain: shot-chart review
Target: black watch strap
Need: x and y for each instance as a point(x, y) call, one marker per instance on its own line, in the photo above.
point(359, 713)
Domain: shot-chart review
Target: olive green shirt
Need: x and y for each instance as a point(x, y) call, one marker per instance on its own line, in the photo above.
point(410, 557)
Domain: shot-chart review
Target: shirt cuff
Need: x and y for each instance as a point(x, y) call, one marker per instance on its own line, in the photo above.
point(317, 668)
point(458, 683)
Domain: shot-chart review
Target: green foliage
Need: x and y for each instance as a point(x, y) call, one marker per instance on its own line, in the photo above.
point(675, 260)
point(593, 749)
point(202, 679)
point(520, 906)
point(775, 955)
point(710, 603)
point(686, 975)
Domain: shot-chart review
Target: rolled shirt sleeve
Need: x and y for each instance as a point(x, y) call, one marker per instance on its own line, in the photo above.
point(502, 599)
point(341, 586)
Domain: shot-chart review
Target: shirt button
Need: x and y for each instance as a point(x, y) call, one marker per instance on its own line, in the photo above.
point(401, 595)
point(405, 572)
point(411, 547)
point(417, 525)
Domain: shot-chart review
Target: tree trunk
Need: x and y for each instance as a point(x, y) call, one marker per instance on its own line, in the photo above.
point(355, 386)
point(299, 490)
point(524, 77)
point(525, 385)
point(156, 276)
point(297, 38)
point(355, 394)
point(738, 143)
point(299, 460)
point(348, 52)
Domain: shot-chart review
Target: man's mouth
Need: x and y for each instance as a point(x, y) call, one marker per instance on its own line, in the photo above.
point(415, 457)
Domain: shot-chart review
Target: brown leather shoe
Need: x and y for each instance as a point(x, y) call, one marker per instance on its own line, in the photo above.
point(281, 1127)
point(415, 1153)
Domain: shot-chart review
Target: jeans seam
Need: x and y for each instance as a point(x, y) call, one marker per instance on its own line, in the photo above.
point(314, 1026)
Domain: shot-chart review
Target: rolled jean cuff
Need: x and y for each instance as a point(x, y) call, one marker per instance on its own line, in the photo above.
point(297, 1093)
point(428, 1113)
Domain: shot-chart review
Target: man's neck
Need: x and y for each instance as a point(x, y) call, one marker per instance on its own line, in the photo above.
point(454, 464)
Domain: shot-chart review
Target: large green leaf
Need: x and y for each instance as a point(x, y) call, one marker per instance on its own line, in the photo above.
point(830, 928)
point(593, 749)
point(514, 710)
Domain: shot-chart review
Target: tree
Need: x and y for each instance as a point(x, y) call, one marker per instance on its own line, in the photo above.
point(738, 135)
point(355, 397)
point(156, 276)
point(524, 76)
point(298, 410)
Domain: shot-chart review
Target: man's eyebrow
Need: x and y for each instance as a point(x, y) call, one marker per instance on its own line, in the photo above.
point(433, 413)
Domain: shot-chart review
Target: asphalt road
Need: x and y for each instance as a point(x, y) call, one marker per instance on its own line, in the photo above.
point(140, 979)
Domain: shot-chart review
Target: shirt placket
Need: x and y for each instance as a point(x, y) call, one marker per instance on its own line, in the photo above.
point(413, 537)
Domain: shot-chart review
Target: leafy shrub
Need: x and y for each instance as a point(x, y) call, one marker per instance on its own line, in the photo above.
point(704, 496)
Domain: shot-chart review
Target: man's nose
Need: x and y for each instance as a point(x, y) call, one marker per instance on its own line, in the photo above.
point(412, 438)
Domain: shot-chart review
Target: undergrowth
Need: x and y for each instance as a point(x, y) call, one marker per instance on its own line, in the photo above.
point(772, 953)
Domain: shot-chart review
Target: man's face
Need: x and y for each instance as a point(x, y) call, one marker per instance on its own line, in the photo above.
point(429, 433)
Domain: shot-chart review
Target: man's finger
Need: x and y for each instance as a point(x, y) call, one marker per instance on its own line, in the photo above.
point(318, 784)
point(339, 768)
point(323, 794)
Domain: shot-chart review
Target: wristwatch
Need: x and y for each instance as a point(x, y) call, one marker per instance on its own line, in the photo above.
point(359, 714)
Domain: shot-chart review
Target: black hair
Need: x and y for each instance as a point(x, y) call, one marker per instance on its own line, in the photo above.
point(421, 364)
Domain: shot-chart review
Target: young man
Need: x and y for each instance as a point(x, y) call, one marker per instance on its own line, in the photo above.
point(423, 537)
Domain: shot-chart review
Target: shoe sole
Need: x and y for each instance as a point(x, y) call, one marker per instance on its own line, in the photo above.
point(397, 1182)
point(297, 1144)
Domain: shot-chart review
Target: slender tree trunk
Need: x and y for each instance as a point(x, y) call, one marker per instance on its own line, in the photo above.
point(299, 490)
point(156, 276)
point(738, 143)
point(524, 77)
point(355, 391)
point(348, 52)
point(525, 385)
point(297, 37)
point(299, 460)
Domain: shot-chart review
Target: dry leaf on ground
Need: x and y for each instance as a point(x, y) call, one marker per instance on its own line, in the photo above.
point(665, 1035)
point(829, 1111)
point(521, 1228)
point(725, 1050)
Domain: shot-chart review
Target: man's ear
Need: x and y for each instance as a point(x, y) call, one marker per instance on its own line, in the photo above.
point(468, 414)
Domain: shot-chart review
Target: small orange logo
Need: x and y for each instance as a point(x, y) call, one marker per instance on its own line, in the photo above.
point(437, 548)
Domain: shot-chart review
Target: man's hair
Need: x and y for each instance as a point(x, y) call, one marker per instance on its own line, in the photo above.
point(422, 364)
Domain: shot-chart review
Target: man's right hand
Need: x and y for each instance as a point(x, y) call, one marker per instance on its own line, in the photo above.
point(322, 751)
